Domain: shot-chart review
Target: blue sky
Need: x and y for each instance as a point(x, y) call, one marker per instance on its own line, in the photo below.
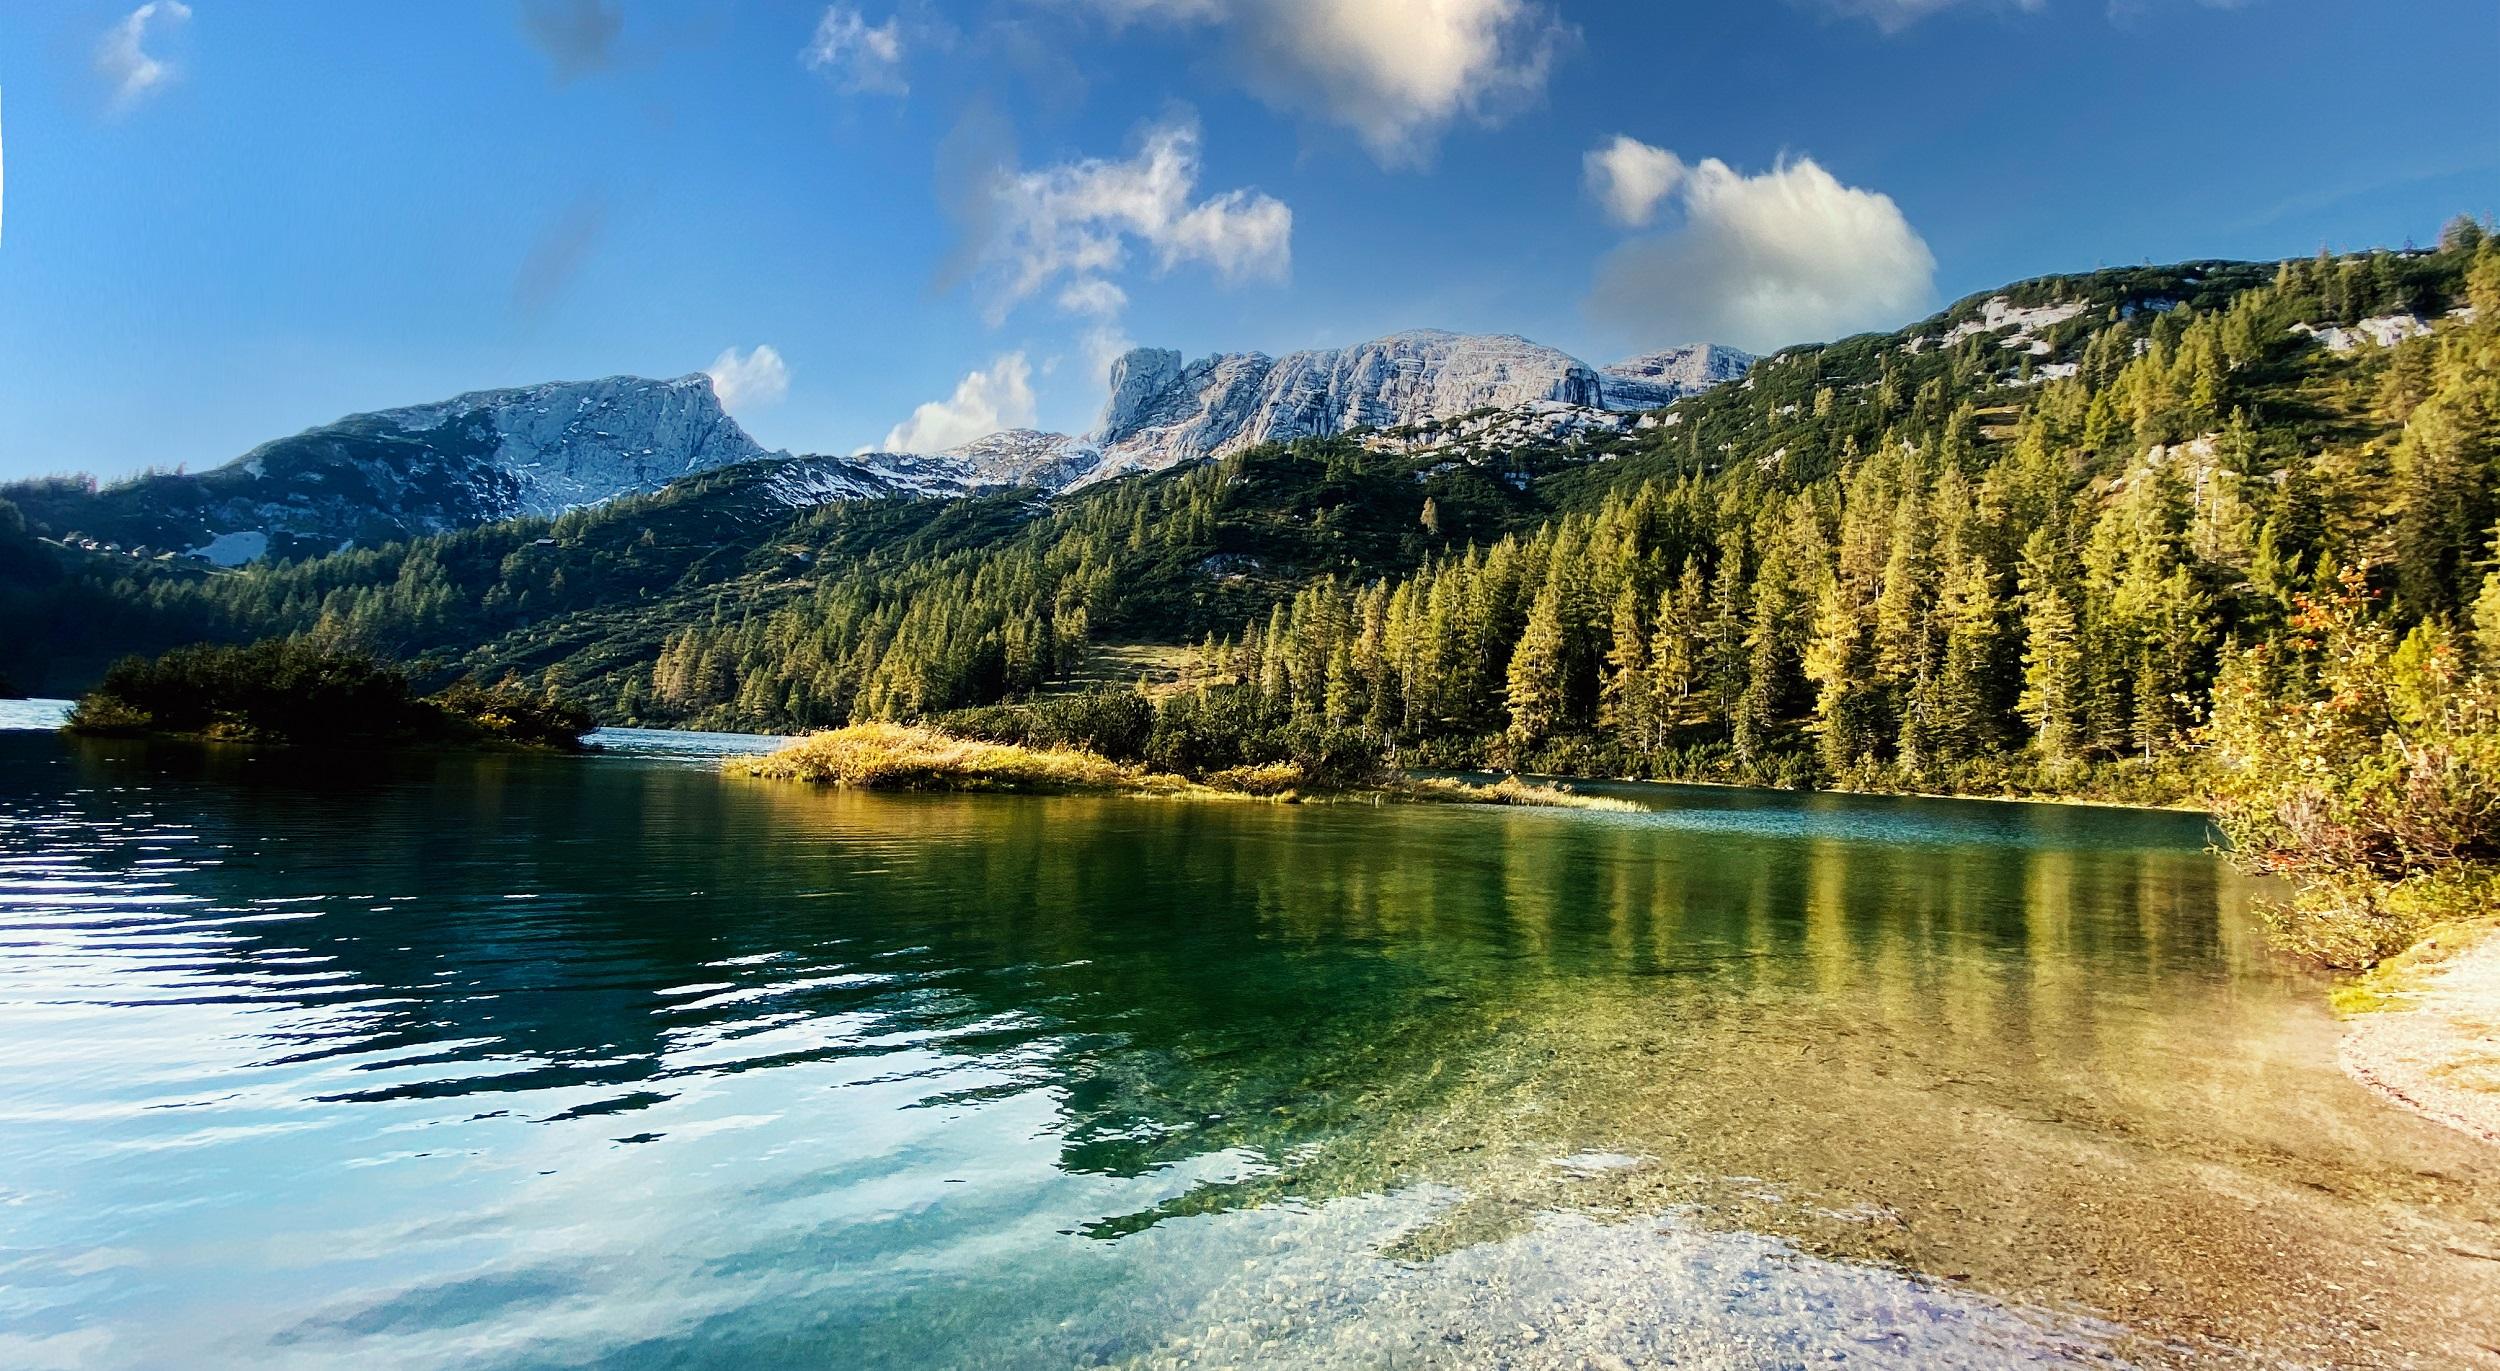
point(229, 219)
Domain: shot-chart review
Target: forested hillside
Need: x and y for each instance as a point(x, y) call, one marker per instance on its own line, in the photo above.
point(2006, 548)
point(1965, 580)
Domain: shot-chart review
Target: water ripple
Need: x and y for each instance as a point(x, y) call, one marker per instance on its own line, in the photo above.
point(520, 1062)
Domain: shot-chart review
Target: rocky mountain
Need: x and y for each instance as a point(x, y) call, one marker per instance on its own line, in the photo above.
point(542, 450)
point(1024, 457)
point(392, 474)
point(1163, 411)
point(1656, 379)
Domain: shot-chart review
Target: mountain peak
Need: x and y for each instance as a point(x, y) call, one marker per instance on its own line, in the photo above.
point(394, 473)
point(566, 444)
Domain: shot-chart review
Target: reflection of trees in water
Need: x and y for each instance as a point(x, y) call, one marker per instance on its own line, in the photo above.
point(1160, 964)
point(2014, 1059)
point(1186, 977)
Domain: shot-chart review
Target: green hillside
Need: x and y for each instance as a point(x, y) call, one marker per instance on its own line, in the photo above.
point(1946, 557)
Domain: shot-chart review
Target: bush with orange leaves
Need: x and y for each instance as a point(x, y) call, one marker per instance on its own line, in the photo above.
point(2365, 769)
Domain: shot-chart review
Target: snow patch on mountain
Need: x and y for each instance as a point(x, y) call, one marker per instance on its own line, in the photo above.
point(233, 549)
point(2000, 313)
point(2047, 372)
point(2384, 330)
point(2016, 326)
point(1538, 423)
point(805, 482)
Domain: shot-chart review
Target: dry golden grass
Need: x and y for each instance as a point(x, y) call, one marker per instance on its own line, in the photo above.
point(909, 757)
point(1274, 780)
point(1510, 790)
point(904, 757)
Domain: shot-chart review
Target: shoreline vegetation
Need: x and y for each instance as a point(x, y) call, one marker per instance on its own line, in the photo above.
point(302, 692)
point(907, 757)
point(2362, 766)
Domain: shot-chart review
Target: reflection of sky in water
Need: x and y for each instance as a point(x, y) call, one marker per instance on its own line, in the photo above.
point(32, 714)
point(676, 745)
point(525, 1061)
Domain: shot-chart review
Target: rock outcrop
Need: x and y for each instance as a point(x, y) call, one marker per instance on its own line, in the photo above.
point(1162, 412)
point(1657, 379)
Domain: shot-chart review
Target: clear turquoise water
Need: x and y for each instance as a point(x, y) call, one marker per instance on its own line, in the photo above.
point(532, 1062)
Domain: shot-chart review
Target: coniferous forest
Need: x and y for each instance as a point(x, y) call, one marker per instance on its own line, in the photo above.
point(1952, 558)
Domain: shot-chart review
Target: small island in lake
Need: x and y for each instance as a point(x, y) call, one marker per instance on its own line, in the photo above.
point(884, 756)
point(300, 691)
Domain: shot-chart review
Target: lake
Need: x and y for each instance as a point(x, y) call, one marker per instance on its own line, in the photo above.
point(524, 1061)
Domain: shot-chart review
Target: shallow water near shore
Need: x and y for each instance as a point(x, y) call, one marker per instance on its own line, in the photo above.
point(523, 1061)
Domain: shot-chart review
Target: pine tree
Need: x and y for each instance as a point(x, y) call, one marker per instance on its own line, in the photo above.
point(2444, 497)
point(1793, 568)
point(1970, 708)
point(1724, 655)
point(1677, 648)
point(2486, 623)
point(2463, 234)
point(2051, 701)
point(2482, 282)
point(1536, 697)
point(1841, 661)
point(1626, 691)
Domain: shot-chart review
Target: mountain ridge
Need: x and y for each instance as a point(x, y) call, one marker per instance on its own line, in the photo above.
point(540, 450)
point(1164, 410)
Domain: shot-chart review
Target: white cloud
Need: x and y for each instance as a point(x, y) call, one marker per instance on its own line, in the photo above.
point(1396, 72)
point(1892, 16)
point(1630, 178)
point(1094, 296)
point(856, 55)
point(122, 59)
point(1078, 221)
point(1786, 256)
point(1068, 234)
point(984, 403)
point(758, 378)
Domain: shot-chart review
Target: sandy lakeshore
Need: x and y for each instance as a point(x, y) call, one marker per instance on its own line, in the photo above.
point(2434, 1046)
